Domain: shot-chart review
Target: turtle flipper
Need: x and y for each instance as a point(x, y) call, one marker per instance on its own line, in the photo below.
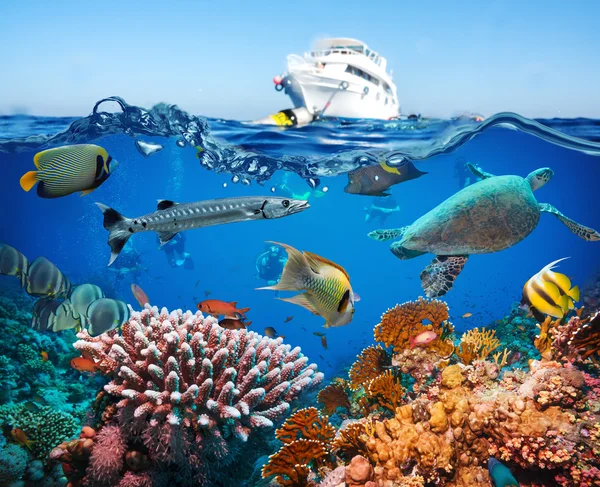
point(403, 253)
point(578, 229)
point(478, 171)
point(387, 234)
point(438, 277)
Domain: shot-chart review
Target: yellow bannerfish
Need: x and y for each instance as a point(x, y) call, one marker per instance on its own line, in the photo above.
point(549, 293)
point(326, 284)
point(68, 169)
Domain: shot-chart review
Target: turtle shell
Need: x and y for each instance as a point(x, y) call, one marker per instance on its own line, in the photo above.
point(488, 216)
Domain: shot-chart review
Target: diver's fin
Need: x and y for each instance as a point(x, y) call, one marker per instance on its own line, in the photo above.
point(87, 191)
point(301, 300)
point(438, 277)
point(478, 171)
point(386, 234)
point(578, 229)
point(295, 270)
point(118, 230)
point(165, 236)
point(165, 204)
point(28, 180)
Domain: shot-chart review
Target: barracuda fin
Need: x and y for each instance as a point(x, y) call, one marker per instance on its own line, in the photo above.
point(165, 205)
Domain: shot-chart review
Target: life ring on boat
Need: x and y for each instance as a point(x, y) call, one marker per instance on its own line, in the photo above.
point(344, 85)
point(279, 87)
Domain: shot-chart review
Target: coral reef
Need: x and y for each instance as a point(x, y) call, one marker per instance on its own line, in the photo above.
point(477, 344)
point(334, 396)
point(578, 339)
point(370, 363)
point(185, 395)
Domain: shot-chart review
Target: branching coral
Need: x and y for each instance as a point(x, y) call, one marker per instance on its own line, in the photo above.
point(387, 390)
point(543, 341)
point(405, 321)
point(334, 396)
point(352, 440)
point(306, 423)
point(579, 339)
point(307, 437)
point(477, 342)
point(371, 362)
point(192, 391)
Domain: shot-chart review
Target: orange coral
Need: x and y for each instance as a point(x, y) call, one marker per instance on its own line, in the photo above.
point(466, 352)
point(308, 424)
point(543, 341)
point(407, 320)
point(351, 441)
point(334, 396)
point(291, 463)
point(369, 364)
point(387, 390)
point(482, 341)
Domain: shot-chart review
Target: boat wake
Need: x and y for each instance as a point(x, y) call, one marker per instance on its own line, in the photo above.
point(256, 152)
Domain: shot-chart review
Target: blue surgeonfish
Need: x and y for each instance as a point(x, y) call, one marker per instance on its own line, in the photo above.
point(69, 169)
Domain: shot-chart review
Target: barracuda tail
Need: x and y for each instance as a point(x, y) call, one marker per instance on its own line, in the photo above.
point(118, 230)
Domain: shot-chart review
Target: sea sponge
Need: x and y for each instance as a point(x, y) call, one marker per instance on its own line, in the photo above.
point(452, 376)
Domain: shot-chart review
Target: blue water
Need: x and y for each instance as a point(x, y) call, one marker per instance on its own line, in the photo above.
point(209, 158)
point(69, 230)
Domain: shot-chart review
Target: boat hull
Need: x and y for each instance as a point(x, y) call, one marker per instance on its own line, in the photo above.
point(315, 92)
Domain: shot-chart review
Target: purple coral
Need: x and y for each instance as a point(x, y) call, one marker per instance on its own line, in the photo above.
point(189, 389)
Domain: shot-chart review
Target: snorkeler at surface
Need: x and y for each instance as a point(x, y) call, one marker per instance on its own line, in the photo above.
point(381, 208)
point(176, 254)
point(290, 189)
point(270, 263)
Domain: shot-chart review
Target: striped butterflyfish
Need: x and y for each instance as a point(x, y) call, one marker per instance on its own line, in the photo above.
point(13, 263)
point(68, 169)
point(328, 292)
point(549, 293)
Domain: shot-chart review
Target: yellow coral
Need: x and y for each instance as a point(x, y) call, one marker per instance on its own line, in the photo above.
point(482, 341)
point(369, 364)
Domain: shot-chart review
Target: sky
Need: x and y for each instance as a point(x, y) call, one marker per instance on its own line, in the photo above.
point(538, 58)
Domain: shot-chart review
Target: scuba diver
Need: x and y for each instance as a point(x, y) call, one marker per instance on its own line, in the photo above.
point(381, 208)
point(129, 265)
point(176, 254)
point(270, 264)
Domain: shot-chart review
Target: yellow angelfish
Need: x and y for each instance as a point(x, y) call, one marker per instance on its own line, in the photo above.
point(68, 169)
point(550, 293)
point(326, 284)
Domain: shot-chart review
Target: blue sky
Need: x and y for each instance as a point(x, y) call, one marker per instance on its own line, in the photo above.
point(538, 58)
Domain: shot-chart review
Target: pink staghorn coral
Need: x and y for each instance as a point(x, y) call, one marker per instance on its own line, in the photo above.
point(188, 389)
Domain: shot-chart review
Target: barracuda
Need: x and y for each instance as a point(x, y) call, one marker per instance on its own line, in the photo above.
point(171, 218)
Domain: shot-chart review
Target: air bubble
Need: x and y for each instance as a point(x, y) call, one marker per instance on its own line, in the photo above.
point(180, 143)
point(325, 189)
point(224, 185)
point(235, 179)
point(272, 189)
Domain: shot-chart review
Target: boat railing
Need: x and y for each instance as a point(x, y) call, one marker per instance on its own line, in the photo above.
point(372, 55)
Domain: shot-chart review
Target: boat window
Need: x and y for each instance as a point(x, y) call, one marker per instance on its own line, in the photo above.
point(361, 74)
point(387, 88)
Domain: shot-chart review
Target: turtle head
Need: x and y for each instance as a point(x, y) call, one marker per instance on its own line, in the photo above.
point(539, 177)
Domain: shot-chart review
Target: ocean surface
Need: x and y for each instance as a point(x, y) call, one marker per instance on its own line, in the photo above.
point(213, 158)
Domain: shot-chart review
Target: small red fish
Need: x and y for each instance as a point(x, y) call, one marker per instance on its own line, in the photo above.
point(233, 324)
point(44, 355)
point(422, 339)
point(83, 364)
point(288, 319)
point(215, 307)
point(139, 295)
point(467, 315)
point(21, 438)
point(324, 342)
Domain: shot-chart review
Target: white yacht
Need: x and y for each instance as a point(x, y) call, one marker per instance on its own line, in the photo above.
point(340, 77)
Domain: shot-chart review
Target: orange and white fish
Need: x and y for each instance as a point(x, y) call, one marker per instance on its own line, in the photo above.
point(215, 307)
point(83, 364)
point(140, 296)
point(422, 339)
point(21, 438)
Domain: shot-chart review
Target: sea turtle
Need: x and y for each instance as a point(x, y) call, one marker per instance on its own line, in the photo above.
point(487, 216)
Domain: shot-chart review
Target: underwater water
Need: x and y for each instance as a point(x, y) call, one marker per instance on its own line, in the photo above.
point(209, 159)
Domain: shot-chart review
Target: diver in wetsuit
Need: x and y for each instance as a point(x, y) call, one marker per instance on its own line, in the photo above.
point(176, 254)
point(381, 208)
point(129, 265)
point(270, 263)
